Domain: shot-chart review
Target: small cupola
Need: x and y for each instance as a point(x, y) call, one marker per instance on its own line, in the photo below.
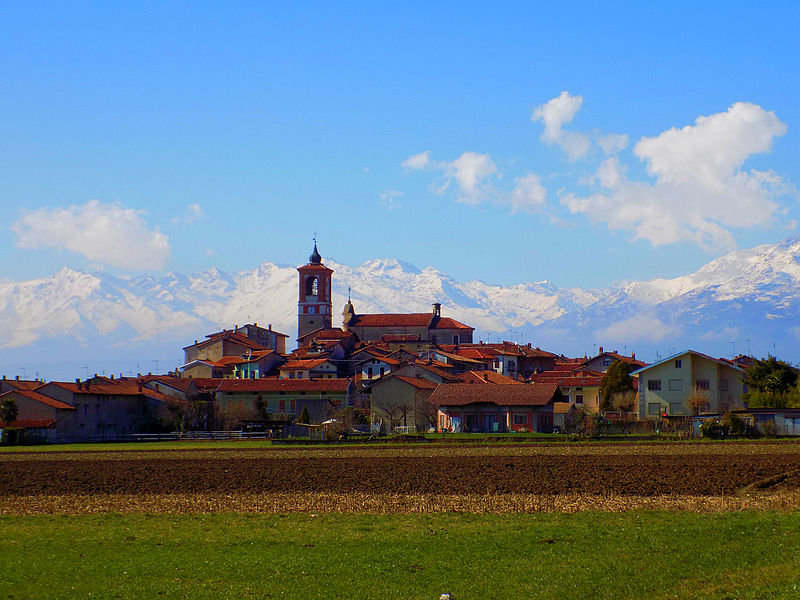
point(315, 258)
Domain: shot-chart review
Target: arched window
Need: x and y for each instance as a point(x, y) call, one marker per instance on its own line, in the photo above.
point(312, 286)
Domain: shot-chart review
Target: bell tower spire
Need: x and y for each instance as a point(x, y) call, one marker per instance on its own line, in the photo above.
point(314, 297)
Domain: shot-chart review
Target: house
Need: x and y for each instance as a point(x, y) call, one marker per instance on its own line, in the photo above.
point(316, 368)
point(43, 418)
point(398, 400)
point(688, 383)
point(430, 327)
point(603, 360)
point(373, 364)
point(282, 399)
point(102, 408)
point(580, 387)
point(495, 408)
point(236, 342)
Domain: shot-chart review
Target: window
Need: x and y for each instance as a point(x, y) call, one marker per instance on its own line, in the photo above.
point(579, 389)
point(702, 384)
point(723, 385)
point(579, 399)
point(369, 373)
point(606, 362)
point(383, 370)
point(312, 286)
point(520, 419)
point(654, 408)
point(442, 421)
point(654, 385)
point(281, 405)
point(676, 385)
point(678, 364)
point(676, 408)
point(455, 340)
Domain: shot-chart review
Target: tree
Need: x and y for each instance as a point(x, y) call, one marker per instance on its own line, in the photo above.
point(8, 411)
point(697, 401)
point(304, 419)
point(617, 380)
point(771, 382)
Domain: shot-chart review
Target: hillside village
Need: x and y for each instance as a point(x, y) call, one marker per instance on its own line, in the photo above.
point(382, 374)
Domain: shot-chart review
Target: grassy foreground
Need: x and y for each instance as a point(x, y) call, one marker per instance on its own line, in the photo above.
point(587, 555)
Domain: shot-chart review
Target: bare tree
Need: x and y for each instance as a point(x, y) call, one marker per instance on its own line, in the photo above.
point(697, 401)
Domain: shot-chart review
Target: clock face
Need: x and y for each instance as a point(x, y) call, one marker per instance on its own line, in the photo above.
point(312, 310)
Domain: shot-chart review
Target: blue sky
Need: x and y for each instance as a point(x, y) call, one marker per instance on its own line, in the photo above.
point(502, 143)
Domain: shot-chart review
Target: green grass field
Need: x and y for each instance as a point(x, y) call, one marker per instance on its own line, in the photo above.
point(587, 555)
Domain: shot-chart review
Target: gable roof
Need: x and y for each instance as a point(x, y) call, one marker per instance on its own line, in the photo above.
point(23, 384)
point(41, 398)
point(427, 320)
point(684, 353)
point(418, 382)
point(529, 394)
point(231, 336)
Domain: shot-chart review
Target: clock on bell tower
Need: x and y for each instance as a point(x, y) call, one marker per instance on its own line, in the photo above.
point(314, 305)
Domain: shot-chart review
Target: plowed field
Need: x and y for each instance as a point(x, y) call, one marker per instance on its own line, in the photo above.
point(635, 471)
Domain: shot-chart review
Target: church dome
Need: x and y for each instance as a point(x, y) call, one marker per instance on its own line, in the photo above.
point(315, 258)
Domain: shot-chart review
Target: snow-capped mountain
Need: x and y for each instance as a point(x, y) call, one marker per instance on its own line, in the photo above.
point(74, 322)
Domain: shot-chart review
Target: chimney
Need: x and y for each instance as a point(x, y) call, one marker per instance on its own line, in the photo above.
point(269, 327)
point(139, 384)
point(529, 344)
point(633, 355)
point(601, 350)
point(437, 309)
point(17, 378)
point(112, 377)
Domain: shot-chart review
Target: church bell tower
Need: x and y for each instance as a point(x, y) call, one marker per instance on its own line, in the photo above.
point(314, 305)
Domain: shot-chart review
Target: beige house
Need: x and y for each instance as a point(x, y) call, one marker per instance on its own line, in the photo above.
point(688, 383)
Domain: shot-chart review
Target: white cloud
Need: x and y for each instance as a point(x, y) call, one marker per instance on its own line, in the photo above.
point(699, 189)
point(193, 212)
point(104, 233)
point(417, 162)
point(610, 174)
point(471, 172)
point(554, 114)
point(528, 194)
point(612, 143)
point(389, 199)
point(639, 328)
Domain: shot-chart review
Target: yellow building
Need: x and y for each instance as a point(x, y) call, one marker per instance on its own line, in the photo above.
point(688, 383)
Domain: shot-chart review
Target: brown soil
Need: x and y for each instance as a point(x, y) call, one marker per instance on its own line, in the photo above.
point(597, 474)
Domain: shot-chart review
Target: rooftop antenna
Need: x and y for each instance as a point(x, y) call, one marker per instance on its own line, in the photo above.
point(348, 294)
point(748, 347)
point(24, 376)
point(733, 349)
point(85, 368)
point(155, 361)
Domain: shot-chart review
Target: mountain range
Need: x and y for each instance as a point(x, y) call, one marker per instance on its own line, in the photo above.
point(74, 323)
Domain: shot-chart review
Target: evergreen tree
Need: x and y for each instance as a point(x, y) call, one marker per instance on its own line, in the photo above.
point(8, 411)
point(617, 380)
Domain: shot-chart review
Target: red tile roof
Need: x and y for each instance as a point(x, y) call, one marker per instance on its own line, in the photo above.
point(426, 320)
point(417, 382)
point(22, 384)
point(230, 336)
point(269, 384)
point(126, 387)
point(41, 398)
point(487, 377)
point(530, 394)
point(32, 424)
point(309, 363)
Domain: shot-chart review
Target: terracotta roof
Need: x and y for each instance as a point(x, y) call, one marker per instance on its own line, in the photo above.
point(487, 377)
point(205, 384)
point(231, 336)
point(417, 382)
point(41, 398)
point(22, 384)
point(308, 363)
point(530, 394)
point(426, 320)
point(32, 424)
point(269, 384)
point(459, 357)
point(128, 387)
point(333, 334)
point(448, 323)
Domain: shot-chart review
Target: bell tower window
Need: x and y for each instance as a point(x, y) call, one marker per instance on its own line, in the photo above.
point(312, 286)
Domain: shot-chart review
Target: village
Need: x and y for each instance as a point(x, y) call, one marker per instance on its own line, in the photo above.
point(384, 374)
